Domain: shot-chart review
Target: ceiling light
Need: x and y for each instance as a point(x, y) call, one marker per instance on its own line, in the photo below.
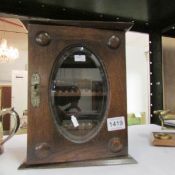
point(7, 54)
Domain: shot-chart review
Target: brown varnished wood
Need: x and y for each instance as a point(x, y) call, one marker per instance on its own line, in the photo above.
point(163, 139)
point(108, 25)
point(6, 103)
point(168, 73)
point(42, 132)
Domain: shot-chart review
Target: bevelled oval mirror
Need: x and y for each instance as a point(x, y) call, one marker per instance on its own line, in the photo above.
point(78, 91)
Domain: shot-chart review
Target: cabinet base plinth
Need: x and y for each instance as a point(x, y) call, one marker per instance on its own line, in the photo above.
point(103, 162)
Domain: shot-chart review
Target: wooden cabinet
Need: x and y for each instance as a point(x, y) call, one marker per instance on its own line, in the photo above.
point(77, 93)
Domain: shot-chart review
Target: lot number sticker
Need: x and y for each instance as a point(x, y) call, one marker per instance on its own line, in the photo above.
point(79, 58)
point(115, 123)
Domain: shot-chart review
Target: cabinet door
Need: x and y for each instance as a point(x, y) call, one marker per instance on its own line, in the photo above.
point(168, 74)
point(6, 103)
point(76, 83)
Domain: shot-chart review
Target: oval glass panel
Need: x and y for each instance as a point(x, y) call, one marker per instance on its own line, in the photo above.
point(78, 94)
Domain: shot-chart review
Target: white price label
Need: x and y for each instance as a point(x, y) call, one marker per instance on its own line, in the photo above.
point(116, 123)
point(74, 121)
point(79, 58)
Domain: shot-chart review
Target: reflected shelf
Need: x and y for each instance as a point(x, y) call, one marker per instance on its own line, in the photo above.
point(77, 94)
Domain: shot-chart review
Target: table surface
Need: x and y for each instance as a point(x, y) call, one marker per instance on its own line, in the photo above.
point(151, 160)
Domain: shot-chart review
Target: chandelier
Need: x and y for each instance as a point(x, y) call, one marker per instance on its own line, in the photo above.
point(7, 54)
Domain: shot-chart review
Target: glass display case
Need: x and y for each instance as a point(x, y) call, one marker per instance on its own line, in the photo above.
point(78, 93)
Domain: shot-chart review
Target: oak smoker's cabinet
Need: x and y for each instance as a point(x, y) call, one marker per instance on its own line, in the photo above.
point(77, 93)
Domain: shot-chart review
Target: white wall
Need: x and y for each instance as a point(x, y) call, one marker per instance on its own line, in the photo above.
point(19, 91)
point(20, 41)
point(137, 65)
